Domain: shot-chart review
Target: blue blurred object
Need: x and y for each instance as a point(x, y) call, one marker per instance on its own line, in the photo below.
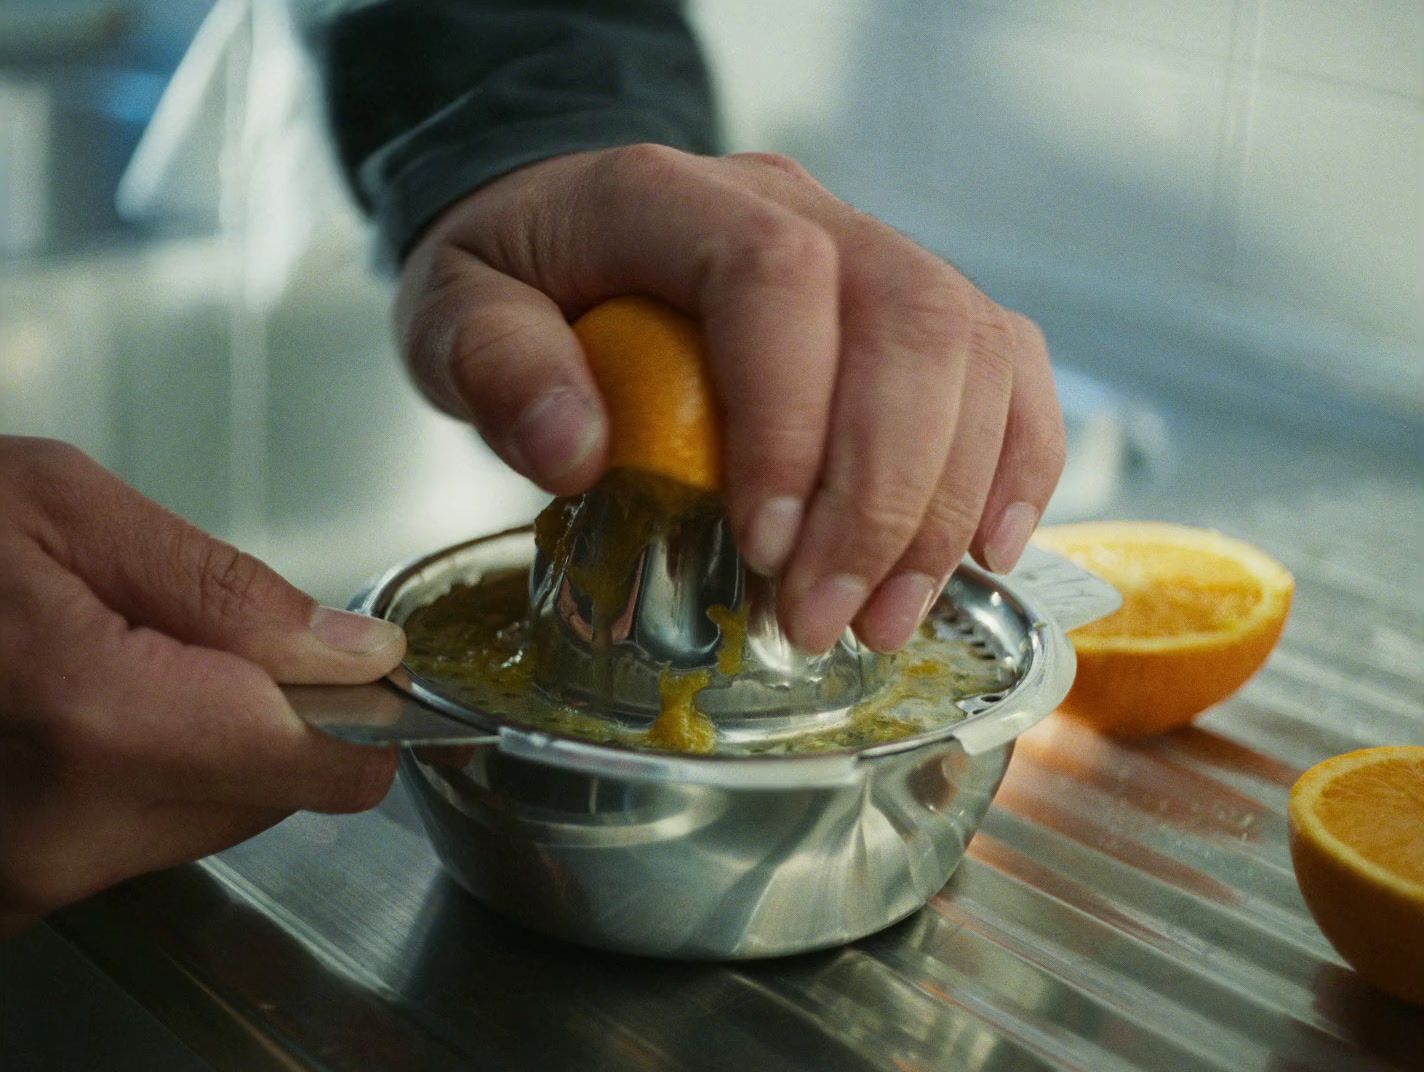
point(79, 81)
point(1111, 436)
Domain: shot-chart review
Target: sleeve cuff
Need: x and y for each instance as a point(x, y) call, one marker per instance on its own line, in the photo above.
point(410, 186)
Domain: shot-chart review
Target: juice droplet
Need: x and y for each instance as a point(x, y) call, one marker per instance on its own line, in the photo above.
point(680, 726)
point(731, 652)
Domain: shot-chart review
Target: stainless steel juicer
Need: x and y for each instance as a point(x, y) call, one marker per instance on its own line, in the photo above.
point(729, 855)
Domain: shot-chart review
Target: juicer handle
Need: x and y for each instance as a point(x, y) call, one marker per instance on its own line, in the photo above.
point(381, 713)
point(1063, 590)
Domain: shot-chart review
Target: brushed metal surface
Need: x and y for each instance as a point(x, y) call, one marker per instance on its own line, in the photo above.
point(1123, 905)
point(696, 871)
point(658, 619)
point(380, 713)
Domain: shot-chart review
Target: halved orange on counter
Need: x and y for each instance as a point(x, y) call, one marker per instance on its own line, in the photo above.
point(1357, 842)
point(1201, 612)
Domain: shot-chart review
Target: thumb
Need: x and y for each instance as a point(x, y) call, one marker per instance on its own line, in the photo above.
point(161, 572)
point(487, 348)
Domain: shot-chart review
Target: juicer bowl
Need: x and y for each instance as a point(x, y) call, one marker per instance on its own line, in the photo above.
point(698, 871)
point(728, 856)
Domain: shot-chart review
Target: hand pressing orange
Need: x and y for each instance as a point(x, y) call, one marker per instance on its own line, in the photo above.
point(879, 415)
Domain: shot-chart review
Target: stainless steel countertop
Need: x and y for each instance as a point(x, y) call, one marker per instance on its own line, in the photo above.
point(1125, 905)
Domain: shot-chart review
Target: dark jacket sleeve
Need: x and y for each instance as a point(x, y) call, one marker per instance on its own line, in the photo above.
point(430, 99)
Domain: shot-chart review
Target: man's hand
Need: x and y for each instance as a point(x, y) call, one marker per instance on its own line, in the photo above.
point(881, 416)
point(140, 720)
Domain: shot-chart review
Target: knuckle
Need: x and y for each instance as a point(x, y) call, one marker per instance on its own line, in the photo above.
point(445, 272)
point(780, 162)
point(949, 526)
point(428, 336)
point(923, 311)
point(783, 443)
point(54, 456)
point(1028, 334)
point(1056, 451)
point(423, 344)
point(644, 164)
point(990, 372)
point(774, 248)
point(487, 338)
point(932, 321)
point(994, 342)
point(884, 525)
point(522, 228)
point(55, 474)
point(228, 580)
point(1045, 448)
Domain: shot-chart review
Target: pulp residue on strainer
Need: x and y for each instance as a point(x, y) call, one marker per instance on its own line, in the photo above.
point(472, 646)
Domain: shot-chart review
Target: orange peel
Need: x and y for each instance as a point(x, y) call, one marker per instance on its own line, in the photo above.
point(650, 363)
point(1357, 843)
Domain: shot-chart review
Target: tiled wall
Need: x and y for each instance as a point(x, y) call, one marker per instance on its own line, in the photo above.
point(1255, 164)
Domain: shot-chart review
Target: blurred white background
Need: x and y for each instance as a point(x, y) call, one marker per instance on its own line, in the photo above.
point(1250, 166)
point(1230, 191)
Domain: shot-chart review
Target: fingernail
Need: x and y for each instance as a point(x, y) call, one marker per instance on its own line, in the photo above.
point(899, 608)
point(355, 634)
point(826, 610)
point(772, 534)
point(1010, 536)
point(555, 434)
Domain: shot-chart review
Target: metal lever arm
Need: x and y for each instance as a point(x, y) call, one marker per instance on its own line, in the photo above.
point(381, 713)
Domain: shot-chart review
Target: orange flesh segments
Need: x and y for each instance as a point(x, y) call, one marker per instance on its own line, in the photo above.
point(1376, 810)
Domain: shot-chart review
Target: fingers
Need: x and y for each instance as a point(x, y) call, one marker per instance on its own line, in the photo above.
point(499, 353)
point(1007, 451)
point(1032, 458)
point(177, 833)
point(63, 865)
point(159, 720)
point(160, 837)
point(771, 312)
point(882, 543)
point(880, 415)
point(902, 372)
point(762, 277)
point(221, 732)
point(896, 609)
point(159, 571)
point(126, 750)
